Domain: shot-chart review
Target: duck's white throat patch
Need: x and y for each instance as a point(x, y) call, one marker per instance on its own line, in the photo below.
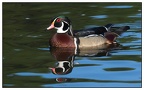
point(60, 29)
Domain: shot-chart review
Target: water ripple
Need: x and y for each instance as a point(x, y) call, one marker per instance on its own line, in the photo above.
point(124, 6)
point(139, 15)
point(93, 84)
point(99, 16)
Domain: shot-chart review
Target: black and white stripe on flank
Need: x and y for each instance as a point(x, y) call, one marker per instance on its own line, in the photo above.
point(76, 46)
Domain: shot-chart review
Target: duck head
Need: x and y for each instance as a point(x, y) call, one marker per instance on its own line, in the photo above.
point(62, 68)
point(62, 24)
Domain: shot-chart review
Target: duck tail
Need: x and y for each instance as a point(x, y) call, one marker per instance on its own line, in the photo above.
point(119, 30)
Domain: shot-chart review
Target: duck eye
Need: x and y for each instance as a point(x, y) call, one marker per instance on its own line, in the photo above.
point(58, 20)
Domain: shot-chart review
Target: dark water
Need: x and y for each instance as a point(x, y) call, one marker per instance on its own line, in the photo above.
point(27, 57)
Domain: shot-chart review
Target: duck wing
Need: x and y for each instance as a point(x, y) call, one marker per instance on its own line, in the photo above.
point(93, 30)
point(100, 30)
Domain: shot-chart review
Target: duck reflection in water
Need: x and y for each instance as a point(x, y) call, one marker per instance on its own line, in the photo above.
point(65, 58)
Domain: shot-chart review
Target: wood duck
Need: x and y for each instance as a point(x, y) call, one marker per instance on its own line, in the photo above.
point(87, 38)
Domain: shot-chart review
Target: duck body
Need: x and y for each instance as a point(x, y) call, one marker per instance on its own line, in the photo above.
point(87, 38)
point(65, 40)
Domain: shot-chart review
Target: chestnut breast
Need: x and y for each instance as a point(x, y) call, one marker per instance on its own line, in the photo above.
point(62, 40)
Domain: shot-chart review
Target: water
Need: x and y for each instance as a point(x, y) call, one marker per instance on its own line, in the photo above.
point(27, 56)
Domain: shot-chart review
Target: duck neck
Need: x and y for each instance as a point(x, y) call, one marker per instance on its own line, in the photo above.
point(71, 31)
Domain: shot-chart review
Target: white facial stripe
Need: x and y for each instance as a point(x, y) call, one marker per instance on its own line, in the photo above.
point(54, 20)
point(61, 64)
point(72, 62)
point(71, 30)
point(60, 29)
point(65, 22)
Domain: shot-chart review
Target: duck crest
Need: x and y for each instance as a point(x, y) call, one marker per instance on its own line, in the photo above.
point(62, 40)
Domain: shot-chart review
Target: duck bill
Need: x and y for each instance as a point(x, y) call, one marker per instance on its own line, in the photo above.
point(51, 26)
point(53, 70)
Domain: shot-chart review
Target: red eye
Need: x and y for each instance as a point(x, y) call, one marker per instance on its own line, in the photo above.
point(58, 20)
